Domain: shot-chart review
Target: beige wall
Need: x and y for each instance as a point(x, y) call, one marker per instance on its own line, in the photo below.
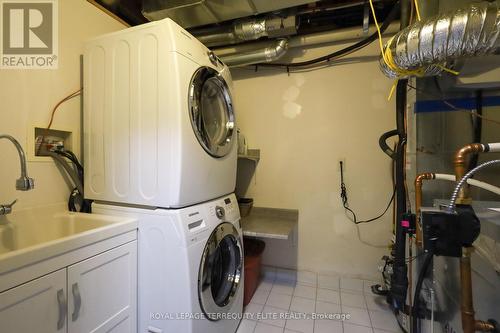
point(304, 123)
point(27, 97)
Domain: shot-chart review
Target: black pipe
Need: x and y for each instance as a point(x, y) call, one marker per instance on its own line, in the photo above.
point(399, 278)
point(477, 128)
point(382, 143)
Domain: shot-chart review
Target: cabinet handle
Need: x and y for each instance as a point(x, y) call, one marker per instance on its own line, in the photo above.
point(77, 301)
point(61, 301)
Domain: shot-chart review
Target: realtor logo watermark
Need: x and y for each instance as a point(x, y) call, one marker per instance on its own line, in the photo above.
point(29, 34)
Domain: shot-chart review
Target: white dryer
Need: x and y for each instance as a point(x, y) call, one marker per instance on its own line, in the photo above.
point(190, 267)
point(159, 125)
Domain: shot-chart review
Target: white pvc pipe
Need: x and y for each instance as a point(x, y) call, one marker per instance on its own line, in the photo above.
point(473, 182)
point(494, 147)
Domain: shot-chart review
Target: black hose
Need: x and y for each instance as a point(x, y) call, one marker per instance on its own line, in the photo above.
point(382, 142)
point(354, 47)
point(399, 279)
point(418, 288)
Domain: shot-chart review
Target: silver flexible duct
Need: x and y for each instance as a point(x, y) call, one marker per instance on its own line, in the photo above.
point(267, 54)
point(247, 30)
point(430, 45)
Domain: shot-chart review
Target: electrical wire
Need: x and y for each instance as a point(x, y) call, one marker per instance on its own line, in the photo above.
point(345, 200)
point(67, 98)
point(39, 141)
point(343, 52)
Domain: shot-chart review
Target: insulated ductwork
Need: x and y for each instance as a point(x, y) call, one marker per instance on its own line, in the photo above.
point(247, 30)
point(429, 46)
point(267, 54)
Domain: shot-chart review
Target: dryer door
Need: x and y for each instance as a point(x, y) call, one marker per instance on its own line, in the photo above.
point(211, 112)
point(220, 271)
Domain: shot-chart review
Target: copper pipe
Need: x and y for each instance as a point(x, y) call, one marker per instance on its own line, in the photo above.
point(460, 164)
point(469, 323)
point(418, 201)
point(466, 302)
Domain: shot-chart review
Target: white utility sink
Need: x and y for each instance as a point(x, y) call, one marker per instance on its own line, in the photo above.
point(30, 235)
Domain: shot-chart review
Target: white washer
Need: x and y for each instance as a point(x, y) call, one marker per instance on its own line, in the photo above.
point(190, 263)
point(159, 126)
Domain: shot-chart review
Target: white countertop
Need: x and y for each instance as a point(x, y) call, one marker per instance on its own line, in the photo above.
point(270, 223)
point(32, 235)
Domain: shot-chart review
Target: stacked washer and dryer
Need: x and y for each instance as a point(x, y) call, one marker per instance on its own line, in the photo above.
point(159, 145)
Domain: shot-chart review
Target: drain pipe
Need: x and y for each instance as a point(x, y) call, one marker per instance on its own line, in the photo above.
point(267, 54)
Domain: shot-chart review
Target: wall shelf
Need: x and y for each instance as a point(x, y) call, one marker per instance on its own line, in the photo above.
point(251, 155)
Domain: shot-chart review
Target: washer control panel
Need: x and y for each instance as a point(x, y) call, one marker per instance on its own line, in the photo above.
point(225, 209)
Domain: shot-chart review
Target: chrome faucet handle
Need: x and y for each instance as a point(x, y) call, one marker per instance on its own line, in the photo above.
point(25, 184)
point(7, 209)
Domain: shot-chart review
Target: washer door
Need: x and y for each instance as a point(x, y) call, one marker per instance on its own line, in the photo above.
point(220, 271)
point(211, 111)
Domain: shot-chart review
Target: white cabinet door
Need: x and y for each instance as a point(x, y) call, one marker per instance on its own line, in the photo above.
point(36, 306)
point(102, 292)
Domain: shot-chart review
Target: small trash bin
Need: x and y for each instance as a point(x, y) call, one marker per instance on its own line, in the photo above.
point(253, 258)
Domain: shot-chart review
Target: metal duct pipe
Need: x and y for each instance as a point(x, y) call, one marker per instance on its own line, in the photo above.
point(267, 54)
point(247, 30)
point(318, 38)
point(430, 44)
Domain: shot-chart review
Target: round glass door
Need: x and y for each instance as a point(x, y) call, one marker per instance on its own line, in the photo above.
point(211, 112)
point(220, 271)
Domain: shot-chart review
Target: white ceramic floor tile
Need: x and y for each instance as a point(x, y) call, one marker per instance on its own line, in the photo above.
point(367, 286)
point(305, 291)
point(375, 302)
point(268, 273)
point(286, 275)
point(328, 295)
point(357, 316)
point(302, 325)
point(302, 305)
point(350, 328)
point(252, 310)
point(327, 326)
point(283, 288)
point(328, 282)
point(384, 320)
point(351, 284)
point(274, 316)
point(327, 308)
point(350, 298)
point(260, 296)
point(265, 285)
point(376, 330)
point(264, 328)
point(246, 326)
point(281, 301)
point(307, 278)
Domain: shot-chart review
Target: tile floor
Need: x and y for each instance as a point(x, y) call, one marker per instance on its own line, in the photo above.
point(288, 302)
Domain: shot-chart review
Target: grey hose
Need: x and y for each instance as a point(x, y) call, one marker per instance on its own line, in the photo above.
point(71, 172)
point(464, 179)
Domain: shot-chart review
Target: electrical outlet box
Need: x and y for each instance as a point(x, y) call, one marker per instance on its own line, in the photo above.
point(38, 136)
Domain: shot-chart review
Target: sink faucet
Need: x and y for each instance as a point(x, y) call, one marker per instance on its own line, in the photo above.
point(24, 183)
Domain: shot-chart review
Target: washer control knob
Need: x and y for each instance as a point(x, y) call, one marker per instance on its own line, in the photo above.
point(219, 211)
